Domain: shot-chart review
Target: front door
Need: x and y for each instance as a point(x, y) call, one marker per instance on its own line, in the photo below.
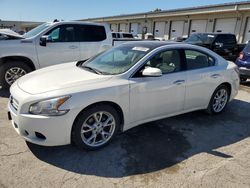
point(152, 97)
point(63, 46)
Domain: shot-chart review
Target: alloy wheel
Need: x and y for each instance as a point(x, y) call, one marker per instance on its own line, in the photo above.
point(12, 74)
point(98, 129)
point(220, 100)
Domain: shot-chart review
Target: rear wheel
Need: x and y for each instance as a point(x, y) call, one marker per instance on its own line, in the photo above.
point(95, 127)
point(11, 71)
point(218, 100)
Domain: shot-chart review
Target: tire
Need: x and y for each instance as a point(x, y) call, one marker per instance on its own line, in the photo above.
point(243, 79)
point(87, 128)
point(211, 108)
point(18, 68)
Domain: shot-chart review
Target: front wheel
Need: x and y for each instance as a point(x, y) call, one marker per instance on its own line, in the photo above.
point(219, 100)
point(11, 71)
point(95, 127)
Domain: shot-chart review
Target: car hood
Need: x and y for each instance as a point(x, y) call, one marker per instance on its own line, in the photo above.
point(11, 33)
point(58, 77)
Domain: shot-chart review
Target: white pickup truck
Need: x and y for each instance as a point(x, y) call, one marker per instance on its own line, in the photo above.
point(49, 44)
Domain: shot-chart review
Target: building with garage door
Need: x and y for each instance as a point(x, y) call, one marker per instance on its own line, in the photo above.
point(169, 24)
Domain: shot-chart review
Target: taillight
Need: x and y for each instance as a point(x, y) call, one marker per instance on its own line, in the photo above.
point(241, 56)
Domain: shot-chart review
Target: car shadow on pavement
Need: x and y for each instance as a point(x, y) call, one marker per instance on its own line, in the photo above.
point(155, 146)
point(4, 93)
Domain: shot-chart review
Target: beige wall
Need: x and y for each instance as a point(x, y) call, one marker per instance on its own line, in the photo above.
point(240, 12)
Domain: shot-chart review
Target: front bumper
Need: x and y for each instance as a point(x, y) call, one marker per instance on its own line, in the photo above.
point(55, 129)
point(38, 129)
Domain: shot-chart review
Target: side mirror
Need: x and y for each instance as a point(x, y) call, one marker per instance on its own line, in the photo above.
point(218, 45)
point(151, 72)
point(44, 39)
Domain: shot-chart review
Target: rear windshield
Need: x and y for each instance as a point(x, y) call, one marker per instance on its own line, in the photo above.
point(247, 48)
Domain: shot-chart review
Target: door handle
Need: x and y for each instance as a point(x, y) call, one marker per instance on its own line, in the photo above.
point(215, 76)
point(73, 47)
point(178, 82)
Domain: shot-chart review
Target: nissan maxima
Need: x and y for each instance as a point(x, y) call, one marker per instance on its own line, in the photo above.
point(89, 102)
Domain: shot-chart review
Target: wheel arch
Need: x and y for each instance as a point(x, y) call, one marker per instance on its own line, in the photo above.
point(24, 59)
point(112, 104)
point(228, 85)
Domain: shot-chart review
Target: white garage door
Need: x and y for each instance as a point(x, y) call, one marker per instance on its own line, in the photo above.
point(122, 28)
point(159, 29)
point(114, 27)
point(134, 28)
point(176, 29)
point(226, 25)
point(247, 31)
point(198, 26)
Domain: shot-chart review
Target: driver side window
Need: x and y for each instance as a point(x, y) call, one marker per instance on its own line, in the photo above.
point(168, 61)
point(64, 33)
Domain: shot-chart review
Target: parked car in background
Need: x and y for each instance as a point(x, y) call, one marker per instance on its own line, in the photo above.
point(89, 102)
point(50, 44)
point(122, 35)
point(224, 44)
point(243, 62)
point(7, 34)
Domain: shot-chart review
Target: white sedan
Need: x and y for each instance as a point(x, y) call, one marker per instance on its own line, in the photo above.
point(89, 102)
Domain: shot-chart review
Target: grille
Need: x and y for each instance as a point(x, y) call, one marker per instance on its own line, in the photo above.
point(14, 103)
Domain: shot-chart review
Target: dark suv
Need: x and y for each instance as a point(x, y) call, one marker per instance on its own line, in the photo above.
point(224, 44)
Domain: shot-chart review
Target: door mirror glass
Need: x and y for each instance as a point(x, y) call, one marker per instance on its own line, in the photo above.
point(151, 72)
point(44, 39)
point(218, 45)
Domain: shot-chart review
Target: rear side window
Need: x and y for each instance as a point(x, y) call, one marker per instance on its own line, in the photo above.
point(197, 60)
point(127, 35)
point(91, 33)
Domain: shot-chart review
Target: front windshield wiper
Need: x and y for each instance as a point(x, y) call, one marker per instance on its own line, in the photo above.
point(92, 69)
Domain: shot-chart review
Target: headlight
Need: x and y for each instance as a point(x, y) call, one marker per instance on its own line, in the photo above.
point(50, 107)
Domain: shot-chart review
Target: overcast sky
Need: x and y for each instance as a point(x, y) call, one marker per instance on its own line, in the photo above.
point(47, 10)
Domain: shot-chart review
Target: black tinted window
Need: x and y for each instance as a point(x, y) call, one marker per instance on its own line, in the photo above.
point(91, 33)
point(127, 35)
point(64, 33)
point(197, 60)
point(226, 39)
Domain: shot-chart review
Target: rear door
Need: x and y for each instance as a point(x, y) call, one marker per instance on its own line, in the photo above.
point(202, 78)
point(62, 48)
point(93, 40)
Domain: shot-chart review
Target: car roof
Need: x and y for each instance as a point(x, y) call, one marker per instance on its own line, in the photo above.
point(77, 22)
point(215, 33)
point(150, 44)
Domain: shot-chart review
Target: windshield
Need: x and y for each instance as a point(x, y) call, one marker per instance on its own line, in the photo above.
point(116, 60)
point(36, 30)
point(200, 38)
